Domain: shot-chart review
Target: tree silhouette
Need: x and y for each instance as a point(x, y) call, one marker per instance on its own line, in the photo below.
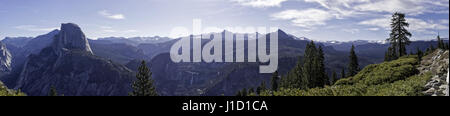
point(399, 36)
point(353, 66)
point(143, 86)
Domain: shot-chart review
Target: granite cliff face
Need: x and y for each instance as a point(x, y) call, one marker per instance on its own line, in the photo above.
point(69, 39)
point(5, 59)
point(70, 66)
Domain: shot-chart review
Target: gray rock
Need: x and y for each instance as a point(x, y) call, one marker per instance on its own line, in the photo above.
point(446, 92)
point(430, 91)
point(71, 38)
point(5, 59)
point(443, 87)
point(69, 66)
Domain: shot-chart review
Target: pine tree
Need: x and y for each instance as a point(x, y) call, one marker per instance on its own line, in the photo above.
point(53, 91)
point(447, 47)
point(427, 51)
point(258, 90)
point(297, 78)
point(393, 54)
point(419, 55)
point(323, 78)
point(343, 74)
point(244, 92)
point(309, 73)
point(390, 54)
point(313, 67)
point(144, 85)
point(399, 36)
point(440, 43)
point(263, 86)
point(387, 56)
point(294, 78)
point(251, 91)
point(274, 81)
point(239, 93)
point(333, 78)
point(301, 80)
point(286, 81)
point(353, 66)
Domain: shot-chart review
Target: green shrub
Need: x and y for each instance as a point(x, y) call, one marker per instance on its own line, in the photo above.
point(382, 73)
point(409, 87)
point(395, 78)
point(7, 92)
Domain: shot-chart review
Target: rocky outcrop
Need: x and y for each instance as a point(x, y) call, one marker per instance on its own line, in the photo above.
point(5, 59)
point(69, 65)
point(71, 38)
point(437, 63)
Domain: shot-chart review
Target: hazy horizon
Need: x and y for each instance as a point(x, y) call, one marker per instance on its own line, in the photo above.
point(321, 20)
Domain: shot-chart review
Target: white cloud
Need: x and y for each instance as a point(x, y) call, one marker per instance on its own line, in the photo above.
point(35, 28)
point(416, 25)
point(106, 14)
point(352, 31)
point(429, 27)
point(444, 21)
point(304, 18)
point(379, 22)
point(339, 8)
point(373, 29)
point(390, 6)
point(260, 3)
point(414, 7)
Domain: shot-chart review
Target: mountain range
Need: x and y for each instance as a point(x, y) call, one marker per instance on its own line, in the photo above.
point(74, 65)
point(69, 65)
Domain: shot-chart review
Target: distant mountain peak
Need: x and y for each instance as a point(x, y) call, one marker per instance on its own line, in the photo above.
point(71, 37)
point(281, 31)
point(283, 35)
point(56, 31)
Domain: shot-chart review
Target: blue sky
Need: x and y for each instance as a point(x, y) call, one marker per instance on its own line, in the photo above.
point(323, 20)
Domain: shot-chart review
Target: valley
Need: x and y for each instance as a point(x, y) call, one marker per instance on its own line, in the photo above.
point(192, 79)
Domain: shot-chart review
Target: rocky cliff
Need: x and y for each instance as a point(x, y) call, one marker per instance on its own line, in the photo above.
point(5, 59)
point(437, 63)
point(69, 39)
point(69, 65)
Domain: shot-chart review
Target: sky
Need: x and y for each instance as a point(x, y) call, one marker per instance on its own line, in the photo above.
point(321, 20)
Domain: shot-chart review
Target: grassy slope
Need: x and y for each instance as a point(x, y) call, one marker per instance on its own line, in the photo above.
point(395, 78)
point(7, 92)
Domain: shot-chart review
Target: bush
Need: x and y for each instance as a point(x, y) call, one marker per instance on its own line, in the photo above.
point(383, 73)
point(7, 92)
point(409, 87)
point(395, 78)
